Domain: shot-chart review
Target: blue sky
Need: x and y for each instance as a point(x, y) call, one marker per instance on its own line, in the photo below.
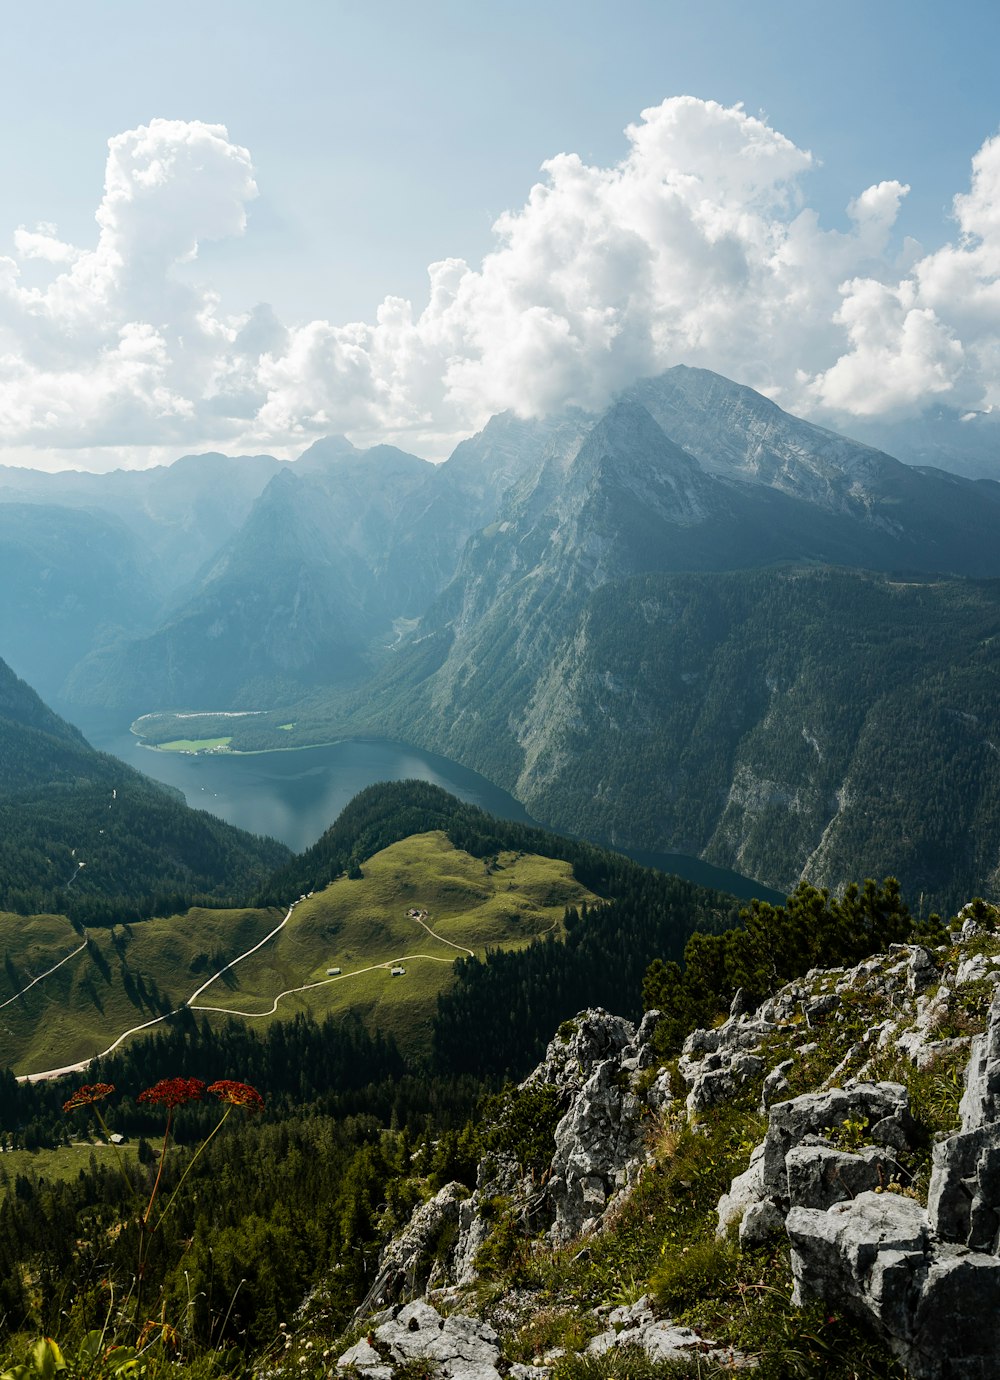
point(383, 137)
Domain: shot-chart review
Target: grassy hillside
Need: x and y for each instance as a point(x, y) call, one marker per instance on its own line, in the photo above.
point(472, 904)
point(124, 976)
point(85, 834)
point(127, 975)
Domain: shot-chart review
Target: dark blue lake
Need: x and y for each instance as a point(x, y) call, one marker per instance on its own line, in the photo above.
point(293, 796)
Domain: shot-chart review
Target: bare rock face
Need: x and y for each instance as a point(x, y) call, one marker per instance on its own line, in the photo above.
point(797, 1163)
point(598, 1147)
point(456, 1347)
point(635, 1327)
point(597, 1060)
point(928, 1280)
point(406, 1263)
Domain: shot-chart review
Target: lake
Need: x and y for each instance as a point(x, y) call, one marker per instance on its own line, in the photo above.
point(295, 795)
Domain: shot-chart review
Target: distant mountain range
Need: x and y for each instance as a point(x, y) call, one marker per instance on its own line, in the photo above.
point(508, 607)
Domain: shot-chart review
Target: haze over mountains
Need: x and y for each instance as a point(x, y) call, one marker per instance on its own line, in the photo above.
point(627, 619)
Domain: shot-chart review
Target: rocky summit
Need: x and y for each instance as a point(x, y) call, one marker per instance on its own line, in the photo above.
point(861, 1110)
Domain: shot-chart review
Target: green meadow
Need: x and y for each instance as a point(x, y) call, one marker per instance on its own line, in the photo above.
point(362, 927)
point(131, 974)
point(194, 744)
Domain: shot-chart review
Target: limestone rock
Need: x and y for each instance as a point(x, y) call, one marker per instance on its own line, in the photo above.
point(405, 1263)
point(458, 1347)
point(598, 1142)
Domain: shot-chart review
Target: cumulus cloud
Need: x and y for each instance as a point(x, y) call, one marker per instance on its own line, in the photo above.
point(697, 248)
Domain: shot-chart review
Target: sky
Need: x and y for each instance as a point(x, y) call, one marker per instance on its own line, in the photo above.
point(240, 226)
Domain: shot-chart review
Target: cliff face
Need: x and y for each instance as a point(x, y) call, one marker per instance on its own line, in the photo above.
point(852, 1124)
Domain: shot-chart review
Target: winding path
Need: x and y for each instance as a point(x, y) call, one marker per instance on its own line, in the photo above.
point(82, 1064)
point(415, 915)
point(46, 974)
point(190, 1005)
point(323, 982)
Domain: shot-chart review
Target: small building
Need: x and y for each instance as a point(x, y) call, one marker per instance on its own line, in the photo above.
point(398, 972)
point(333, 972)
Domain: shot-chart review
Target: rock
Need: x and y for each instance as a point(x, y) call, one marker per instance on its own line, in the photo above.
point(938, 1306)
point(980, 1103)
point(819, 1176)
point(599, 1144)
point(744, 1191)
point(921, 970)
point(405, 1264)
point(812, 1113)
point(458, 1347)
point(929, 1282)
point(659, 1095)
point(971, 970)
point(834, 1251)
point(775, 1084)
point(589, 1039)
point(760, 1223)
point(363, 1357)
point(473, 1229)
point(799, 1121)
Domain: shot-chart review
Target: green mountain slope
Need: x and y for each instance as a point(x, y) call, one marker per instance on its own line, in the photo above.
point(409, 877)
point(84, 834)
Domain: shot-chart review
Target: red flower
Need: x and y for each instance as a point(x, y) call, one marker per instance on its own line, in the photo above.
point(238, 1094)
point(88, 1094)
point(174, 1092)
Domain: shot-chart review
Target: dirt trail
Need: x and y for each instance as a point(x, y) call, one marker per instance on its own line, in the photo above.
point(46, 974)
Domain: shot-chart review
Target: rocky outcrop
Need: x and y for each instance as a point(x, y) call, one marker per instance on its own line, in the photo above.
point(929, 1281)
point(798, 1162)
point(407, 1263)
point(596, 1060)
point(637, 1327)
point(456, 1347)
point(832, 1174)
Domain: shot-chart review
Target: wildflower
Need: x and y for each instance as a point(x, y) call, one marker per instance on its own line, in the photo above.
point(88, 1095)
point(168, 1334)
point(174, 1092)
point(237, 1094)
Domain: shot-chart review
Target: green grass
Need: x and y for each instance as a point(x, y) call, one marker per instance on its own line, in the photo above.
point(355, 925)
point(132, 974)
point(59, 1165)
point(126, 975)
point(194, 744)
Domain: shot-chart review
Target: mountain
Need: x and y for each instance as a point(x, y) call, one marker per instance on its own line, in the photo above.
point(337, 555)
point(478, 607)
point(293, 598)
point(180, 514)
point(550, 661)
point(782, 722)
point(926, 519)
point(72, 580)
point(966, 443)
point(83, 834)
point(406, 876)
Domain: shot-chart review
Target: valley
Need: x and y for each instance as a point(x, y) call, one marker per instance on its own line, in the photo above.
point(222, 963)
point(690, 628)
point(624, 621)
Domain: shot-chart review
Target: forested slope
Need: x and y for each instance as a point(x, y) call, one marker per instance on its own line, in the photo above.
point(784, 722)
point(83, 834)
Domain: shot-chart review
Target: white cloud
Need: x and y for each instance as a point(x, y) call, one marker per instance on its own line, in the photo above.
point(697, 248)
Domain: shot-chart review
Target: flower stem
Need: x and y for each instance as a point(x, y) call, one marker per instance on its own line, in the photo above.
point(191, 1163)
point(118, 1157)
